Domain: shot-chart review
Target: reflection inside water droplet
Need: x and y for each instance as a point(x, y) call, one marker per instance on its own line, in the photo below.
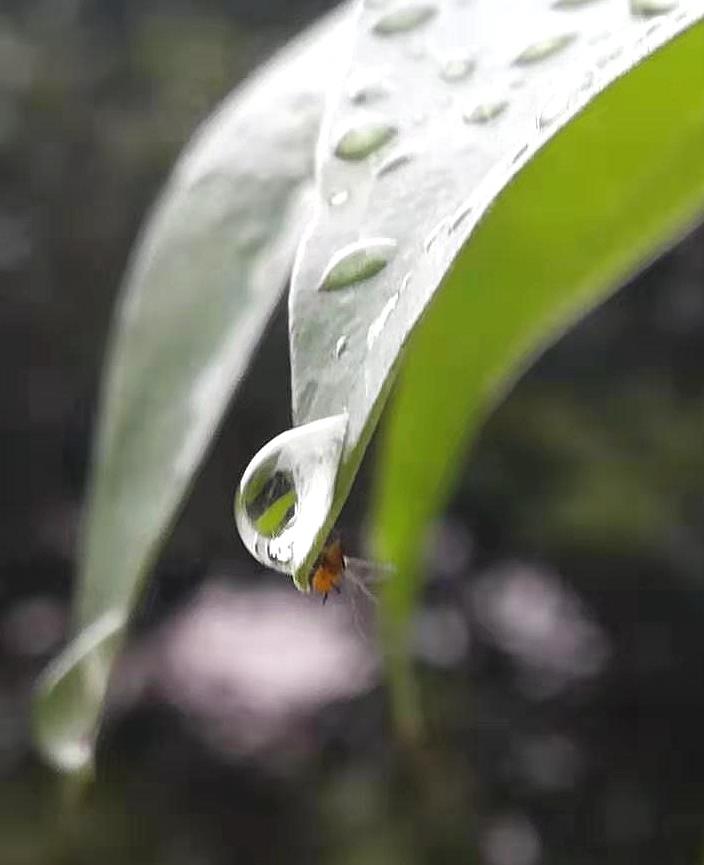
point(286, 491)
point(360, 141)
point(545, 48)
point(404, 19)
point(377, 326)
point(357, 262)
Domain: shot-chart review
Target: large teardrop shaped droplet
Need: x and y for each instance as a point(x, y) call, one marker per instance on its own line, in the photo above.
point(286, 493)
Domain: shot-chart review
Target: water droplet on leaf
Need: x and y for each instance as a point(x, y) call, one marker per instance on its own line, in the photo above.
point(341, 346)
point(357, 262)
point(650, 8)
point(485, 112)
point(553, 109)
point(360, 141)
point(432, 238)
point(545, 48)
point(404, 18)
point(367, 93)
point(570, 4)
point(286, 492)
point(338, 198)
point(377, 326)
point(460, 215)
point(456, 69)
point(394, 161)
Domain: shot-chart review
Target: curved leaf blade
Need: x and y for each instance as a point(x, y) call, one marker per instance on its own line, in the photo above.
point(644, 184)
point(206, 276)
point(462, 139)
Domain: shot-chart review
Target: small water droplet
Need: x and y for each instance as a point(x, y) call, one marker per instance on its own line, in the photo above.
point(457, 69)
point(486, 111)
point(611, 55)
point(545, 48)
point(285, 493)
point(519, 154)
point(377, 326)
point(340, 346)
point(360, 141)
point(338, 197)
point(367, 93)
point(405, 18)
point(434, 235)
point(553, 109)
point(650, 8)
point(357, 262)
point(394, 161)
point(460, 215)
point(405, 282)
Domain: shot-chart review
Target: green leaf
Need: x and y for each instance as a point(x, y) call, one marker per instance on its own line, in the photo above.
point(618, 185)
point(208, 272)
point(526, 189)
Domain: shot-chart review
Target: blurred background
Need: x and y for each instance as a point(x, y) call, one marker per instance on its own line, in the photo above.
point(559, 645)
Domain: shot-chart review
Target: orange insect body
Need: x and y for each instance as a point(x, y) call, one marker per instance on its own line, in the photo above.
point(328, 571)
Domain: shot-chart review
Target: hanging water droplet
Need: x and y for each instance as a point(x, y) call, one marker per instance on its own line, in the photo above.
point(545, 48)
point(650, 8)
point(357, 262)
point(360, 141)
point(286, 492)
point(485, 112)
point(338, 197)
point(404, 19)
point(340, 346)
point(456, 69)
point(377, 326)
point(394, 161)
point(553, 109)
point(460, 215)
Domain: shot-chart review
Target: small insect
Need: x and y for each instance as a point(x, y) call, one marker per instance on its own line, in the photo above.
point(333, 567)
